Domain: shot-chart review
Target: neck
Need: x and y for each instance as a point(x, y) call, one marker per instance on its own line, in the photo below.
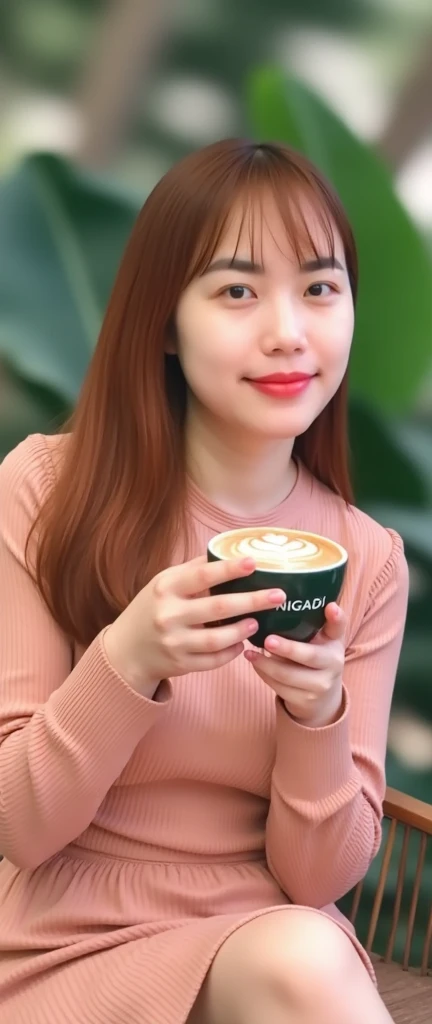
point(242, 475)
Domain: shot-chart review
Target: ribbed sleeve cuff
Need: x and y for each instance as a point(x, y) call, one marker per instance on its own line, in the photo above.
point(98, 709)
point(312, 764)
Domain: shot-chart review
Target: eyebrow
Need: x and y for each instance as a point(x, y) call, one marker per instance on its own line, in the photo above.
point(249, 267)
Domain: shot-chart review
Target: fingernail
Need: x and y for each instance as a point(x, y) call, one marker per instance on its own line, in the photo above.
point(277, 595)
point(252, 626)
point(248, 563)
point(251, 655)
point(273, 642)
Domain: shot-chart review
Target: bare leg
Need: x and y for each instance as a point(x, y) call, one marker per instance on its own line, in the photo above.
point(289, 967)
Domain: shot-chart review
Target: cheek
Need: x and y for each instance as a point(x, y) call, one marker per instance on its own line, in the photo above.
point(209, 374)
point(206, 342)
point(207, 362)
point(335, 341)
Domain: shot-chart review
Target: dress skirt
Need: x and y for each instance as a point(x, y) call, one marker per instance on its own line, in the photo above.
point(91, 939)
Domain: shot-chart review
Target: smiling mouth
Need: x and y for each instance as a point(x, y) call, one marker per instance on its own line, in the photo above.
point(282, 385)
point(282, 378)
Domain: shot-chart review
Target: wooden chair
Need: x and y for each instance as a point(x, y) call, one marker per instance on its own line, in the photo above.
point(406, 990)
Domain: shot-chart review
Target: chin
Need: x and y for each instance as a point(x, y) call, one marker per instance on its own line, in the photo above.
point(283, 428)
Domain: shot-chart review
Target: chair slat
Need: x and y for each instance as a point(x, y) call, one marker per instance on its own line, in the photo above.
point(427, 947)
point(356, 901)
point(399, 890)
point(414, 900)
point(381, 884)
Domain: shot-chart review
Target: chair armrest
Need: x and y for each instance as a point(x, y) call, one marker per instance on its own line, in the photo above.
point(408, 810)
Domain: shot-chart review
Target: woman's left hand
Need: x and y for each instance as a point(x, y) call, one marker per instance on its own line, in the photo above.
point(307, 677)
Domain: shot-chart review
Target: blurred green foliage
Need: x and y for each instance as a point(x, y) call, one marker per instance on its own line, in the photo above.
point(63, 233)
point(45, 40)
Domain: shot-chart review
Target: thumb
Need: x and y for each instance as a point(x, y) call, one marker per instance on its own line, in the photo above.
point(335, 625)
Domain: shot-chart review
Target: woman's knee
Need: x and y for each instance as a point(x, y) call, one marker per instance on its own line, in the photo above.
point(294, 958)
point(308, 956)
point(299, 951)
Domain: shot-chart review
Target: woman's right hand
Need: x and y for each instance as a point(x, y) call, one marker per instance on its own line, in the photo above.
point(163, 631)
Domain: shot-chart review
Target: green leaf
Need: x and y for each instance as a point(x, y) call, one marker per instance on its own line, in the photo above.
point(414, 525)
point(26, 409)
point(383, 471)
point(61, 238)
point(393, 339)
point(415, 440)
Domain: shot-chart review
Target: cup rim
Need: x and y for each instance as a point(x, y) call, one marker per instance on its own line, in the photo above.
point(282, 529)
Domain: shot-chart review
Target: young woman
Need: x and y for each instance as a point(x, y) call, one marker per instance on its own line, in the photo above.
point(180, 811)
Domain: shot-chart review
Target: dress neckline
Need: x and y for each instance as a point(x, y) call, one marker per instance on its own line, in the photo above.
point(219, 519)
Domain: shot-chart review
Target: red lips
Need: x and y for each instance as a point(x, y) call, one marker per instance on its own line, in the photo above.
point(282, 378)
point(282, 385)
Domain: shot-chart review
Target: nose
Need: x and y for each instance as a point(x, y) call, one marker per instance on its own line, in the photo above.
point(286, 328)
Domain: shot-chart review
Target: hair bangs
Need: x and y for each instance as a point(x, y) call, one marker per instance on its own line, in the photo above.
point(310, 213)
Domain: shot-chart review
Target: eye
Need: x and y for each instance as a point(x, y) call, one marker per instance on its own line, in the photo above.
point(317, 290)
point(237, 291)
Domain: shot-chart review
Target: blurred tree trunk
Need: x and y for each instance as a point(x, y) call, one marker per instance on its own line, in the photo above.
point(129, 37)
point(411, 118)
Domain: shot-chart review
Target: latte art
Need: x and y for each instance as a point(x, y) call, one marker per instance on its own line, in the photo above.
point(274, 548)
point(280, 550)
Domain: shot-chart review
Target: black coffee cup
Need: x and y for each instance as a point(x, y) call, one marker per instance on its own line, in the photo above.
point(310, 569)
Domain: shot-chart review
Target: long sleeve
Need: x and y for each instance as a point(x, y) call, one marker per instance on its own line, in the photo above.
point(328, 784)
point(65, 736)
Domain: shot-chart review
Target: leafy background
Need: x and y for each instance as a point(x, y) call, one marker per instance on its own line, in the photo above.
point(116, 100)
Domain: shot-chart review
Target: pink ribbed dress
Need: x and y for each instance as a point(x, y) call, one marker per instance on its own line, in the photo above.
point(138, 835)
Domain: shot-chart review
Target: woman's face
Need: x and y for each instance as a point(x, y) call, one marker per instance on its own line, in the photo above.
point(240, 322)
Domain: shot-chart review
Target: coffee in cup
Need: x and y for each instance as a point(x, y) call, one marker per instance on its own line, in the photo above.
point(309, 568)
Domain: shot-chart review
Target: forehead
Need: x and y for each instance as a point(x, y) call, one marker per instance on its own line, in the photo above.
point(260, 229)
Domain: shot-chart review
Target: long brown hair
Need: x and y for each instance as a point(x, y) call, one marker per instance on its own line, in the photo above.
point(117, 507)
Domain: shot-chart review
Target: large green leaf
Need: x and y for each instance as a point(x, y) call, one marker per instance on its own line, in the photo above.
point(414, 439)
point(393, 344)
point(26, 408)
point(414, 525)
point(61, 238)
point(384, 468)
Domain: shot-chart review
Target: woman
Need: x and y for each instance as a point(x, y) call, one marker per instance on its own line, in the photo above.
point(179, 810)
